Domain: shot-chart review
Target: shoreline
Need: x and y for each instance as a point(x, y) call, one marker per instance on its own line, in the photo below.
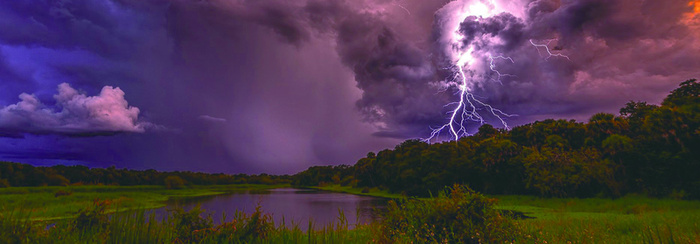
point(373, 192)
point(42, 203)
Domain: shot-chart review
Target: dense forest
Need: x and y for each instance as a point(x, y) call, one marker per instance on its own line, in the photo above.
point(16, 174)
point(646, 149)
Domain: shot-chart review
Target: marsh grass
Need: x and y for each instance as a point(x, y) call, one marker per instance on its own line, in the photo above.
point(95, 225)
point(451, 216)
point(16, 227)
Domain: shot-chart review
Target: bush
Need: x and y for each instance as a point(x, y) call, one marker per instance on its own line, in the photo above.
point(174, 182)
point(93, 216)
point(190, 226)
point(458, 215)
point(4, 183)
point(60, 193)
point(255, 228)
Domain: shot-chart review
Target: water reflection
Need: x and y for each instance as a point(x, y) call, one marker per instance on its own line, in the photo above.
point(297, 206)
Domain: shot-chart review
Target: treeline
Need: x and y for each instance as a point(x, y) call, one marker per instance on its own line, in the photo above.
point(647, 149)
point(16, 174)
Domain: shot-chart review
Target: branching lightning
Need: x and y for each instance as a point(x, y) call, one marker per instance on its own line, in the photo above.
point(468, 105)
point(468, 69)
point(492, 66)
point(546, 48)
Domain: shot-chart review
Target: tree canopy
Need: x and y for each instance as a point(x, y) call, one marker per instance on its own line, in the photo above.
point(646, 149)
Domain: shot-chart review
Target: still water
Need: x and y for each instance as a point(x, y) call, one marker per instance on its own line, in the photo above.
point(297, 205)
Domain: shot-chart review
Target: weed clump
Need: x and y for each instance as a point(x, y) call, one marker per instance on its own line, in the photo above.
point(92, 217)
point(457, 215)
point(61, 193)
point(189, 225)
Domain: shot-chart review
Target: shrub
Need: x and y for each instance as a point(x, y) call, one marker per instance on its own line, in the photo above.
point(62, 193)
point(458, 215)
point(93, 216)
point(4, 183)
point(258, 226)
point(190, 226)
point(174, 182)
point(255, 228)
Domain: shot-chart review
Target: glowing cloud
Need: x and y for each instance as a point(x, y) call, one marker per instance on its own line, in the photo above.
point(464, 57)
point(691, 18)
point(73, 114)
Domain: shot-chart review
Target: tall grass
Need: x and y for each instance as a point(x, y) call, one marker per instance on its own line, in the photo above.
point(15, 227)
point(95, 225)
point(630, 219)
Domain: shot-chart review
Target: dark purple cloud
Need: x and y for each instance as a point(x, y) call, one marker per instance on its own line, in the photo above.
point(618, 51)
point(276, 86)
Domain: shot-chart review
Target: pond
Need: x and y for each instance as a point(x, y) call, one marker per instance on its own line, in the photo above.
point(295, 206)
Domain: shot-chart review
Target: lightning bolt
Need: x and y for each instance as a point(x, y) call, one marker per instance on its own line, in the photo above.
point(492, 66)
point(462, 55)
point(468, 108)
point(546, 48)
point(468, 104)
point(401, 6)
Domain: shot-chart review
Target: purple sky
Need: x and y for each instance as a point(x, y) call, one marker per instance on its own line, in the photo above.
point(276, 86)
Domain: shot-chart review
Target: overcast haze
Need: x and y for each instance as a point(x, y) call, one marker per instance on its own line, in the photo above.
point(272, 86)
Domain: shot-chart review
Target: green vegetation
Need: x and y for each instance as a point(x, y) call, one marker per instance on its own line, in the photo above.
point(16, 174)
point(647, 149)
point(174, 182)
point(64, 202)
point(458, 215)
point(455, 216)
point(630, 219)
point(180, 226)
point(95, 226)
point(373, 192)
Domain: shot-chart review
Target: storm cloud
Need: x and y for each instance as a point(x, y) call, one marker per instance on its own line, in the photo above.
point(277, 86)
point(616, 51)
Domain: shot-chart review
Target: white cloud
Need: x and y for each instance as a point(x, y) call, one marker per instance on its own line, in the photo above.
point(73, 114)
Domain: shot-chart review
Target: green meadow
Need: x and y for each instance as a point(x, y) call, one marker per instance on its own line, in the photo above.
point(25, 211)
point(629, 219)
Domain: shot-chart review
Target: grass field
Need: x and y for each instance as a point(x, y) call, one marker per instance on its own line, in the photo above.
point(42, 203)
point(630, 219)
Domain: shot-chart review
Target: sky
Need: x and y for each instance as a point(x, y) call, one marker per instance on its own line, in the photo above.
point(276, 86)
